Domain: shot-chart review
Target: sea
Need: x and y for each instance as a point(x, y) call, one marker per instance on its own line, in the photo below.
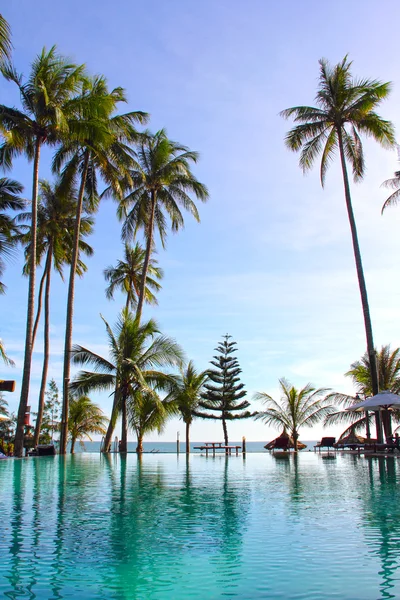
point(171, 447)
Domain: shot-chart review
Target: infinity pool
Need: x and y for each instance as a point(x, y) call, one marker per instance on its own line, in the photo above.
point(166, 528)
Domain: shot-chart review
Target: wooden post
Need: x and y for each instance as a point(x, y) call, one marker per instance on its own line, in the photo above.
point(243, 445)
point(177, 442)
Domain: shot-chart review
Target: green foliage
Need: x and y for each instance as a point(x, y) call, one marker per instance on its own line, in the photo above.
point(147, 412)
point(127, 276)
point(345, 110)
point(4, 357)
point(5, 41)
point(9, 200)
point(85, 418)
point(392, 184)
point(51, 414)
point(296, 408)
point(223, 390)
point(7, 425)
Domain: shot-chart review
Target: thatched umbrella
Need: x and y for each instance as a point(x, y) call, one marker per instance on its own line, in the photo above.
point(284, 436)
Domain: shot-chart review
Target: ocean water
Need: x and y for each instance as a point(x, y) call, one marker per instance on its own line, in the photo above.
point(171, 447)
point(168, 527)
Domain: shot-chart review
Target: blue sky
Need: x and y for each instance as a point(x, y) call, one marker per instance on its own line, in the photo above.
point(271, 262)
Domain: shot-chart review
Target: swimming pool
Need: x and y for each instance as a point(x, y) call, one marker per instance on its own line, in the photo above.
point(304, 527)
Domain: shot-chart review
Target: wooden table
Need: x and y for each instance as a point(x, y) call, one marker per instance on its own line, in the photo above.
point(214, 446)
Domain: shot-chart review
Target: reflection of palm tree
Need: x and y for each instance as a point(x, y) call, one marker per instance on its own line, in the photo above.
point(382, 513)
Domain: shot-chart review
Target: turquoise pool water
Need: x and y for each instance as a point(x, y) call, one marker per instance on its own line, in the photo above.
point(164, 528)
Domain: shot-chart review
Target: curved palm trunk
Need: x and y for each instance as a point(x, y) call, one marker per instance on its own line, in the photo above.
point(73, 440)
point(70, 310)
point(187, 437)
point(39, 308)
point(39, 417)
point(124, 431)
point(112, 423)
point(149, 246)
point(19, 433)
point(361, 283)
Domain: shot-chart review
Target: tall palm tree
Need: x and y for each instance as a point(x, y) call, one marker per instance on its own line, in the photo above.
point(85, 418)
point(45, 96)
point(55, 224)
point(296, 408)
point(126, 276)
point(97, 148)
point(9, 200)
point(345, 109)
point(161, 184)
point(5, 41)
point(147, 413)
point(136, 352)
point(186, 392)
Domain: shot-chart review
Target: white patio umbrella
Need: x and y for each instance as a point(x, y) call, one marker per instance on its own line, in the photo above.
point(383, 400)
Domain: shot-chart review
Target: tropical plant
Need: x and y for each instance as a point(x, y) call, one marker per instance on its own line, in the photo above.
point(3, 355)
point(42, 122)
point(3, 406)
point(392, 184)
point(186, 392)
point(223, 393)
point(360, 373)
point(85, 418)
point(345, 109)
point(6, 423)
point(51, 413)
point(55, 224)
point(147, 413)
point(161, 183)
point(9, 200)
point(98, 148)
point(136, 352)
point(126, 276)
point(5, 41)
point(296, 408)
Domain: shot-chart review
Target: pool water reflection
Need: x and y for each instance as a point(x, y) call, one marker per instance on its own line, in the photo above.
point(164, 527)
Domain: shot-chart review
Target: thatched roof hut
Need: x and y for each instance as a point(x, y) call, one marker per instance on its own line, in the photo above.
point(276, 443)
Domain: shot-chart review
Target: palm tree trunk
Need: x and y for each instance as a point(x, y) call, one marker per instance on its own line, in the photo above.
point(295, 437)
point(39, 417)
point(361, 282)
point(39, 308)
point(19, 433)
point(70, 309)
point(139, 447)
point(149, 246)
point(124, 431)
point(187, 437)
point(73, 445)
point(112, 423)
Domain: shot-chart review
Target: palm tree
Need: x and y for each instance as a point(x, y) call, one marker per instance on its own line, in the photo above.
point(126, 276)
point(360, 374)
point(346, 109)
point(392, 184)
point(161, 184)
point(3, 355)
point(136, 351)
point(98, 147)
point(186, 392)
point(5, 41)
point(85, 418)
point(55, 224)
point(147, 413)
point(9, 200)
point(42, 121)
point(296, 408)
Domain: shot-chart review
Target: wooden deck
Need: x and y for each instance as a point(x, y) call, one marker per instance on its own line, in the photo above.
point(214, 446)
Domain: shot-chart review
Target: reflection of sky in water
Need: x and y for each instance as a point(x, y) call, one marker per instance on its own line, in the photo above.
point(164, 528)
